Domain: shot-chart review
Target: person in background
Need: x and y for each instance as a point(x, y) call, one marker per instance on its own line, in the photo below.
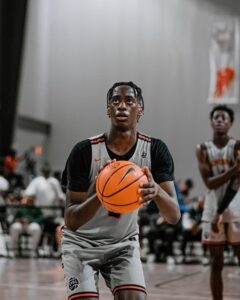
point(10, 166)
point(47, 192)
point(28, 219)
point(4, 188)
point(219, 166)
point(192, 228)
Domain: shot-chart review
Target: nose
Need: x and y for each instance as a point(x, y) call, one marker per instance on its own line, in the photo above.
point(122, 105)
point(219, 119)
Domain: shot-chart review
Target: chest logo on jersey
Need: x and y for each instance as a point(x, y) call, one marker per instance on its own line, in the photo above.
point(220, 161)
point(73, 283)
point(206, 235)
point(97, 160)
point(144, 154)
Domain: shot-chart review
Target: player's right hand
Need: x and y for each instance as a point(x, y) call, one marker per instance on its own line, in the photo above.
point(216, 223)
point(107, 163)
point(238, 159)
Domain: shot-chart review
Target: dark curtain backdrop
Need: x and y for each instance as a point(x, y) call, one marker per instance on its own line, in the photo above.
point(12, 23)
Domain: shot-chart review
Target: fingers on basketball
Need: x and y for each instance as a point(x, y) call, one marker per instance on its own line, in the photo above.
point(118, 184)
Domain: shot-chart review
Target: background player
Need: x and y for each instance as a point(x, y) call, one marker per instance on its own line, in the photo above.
point(219, 165)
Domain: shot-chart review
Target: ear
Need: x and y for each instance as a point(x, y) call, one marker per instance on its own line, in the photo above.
point(108, 112)
point(140, 113)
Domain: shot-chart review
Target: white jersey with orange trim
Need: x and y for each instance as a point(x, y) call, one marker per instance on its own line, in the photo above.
point(221, 159)
point(108, 228)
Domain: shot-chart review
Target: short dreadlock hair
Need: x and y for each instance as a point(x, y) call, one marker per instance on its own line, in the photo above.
point(224, 108)
point(137, 91)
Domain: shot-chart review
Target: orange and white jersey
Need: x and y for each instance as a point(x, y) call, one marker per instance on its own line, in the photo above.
point(221, 159)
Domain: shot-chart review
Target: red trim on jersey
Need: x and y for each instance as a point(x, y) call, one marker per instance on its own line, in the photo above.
point(84, 294)
point(234, 243)
point(212, 243)
point(97, 141)
point(129, 287)
point(144, 137)
point(219, 162)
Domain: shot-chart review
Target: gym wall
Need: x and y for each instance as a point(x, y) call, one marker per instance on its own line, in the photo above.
point(75, 50)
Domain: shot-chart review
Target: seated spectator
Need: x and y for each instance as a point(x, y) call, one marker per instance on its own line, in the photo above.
point(10, 166)
point(4, 187)
point(191, 226)
point(47, 193)
point(162, 232)
point(183, 188)
point(26, 220)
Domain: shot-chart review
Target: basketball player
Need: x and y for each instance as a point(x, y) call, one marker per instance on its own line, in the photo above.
point(94, 239)
point(219, 165)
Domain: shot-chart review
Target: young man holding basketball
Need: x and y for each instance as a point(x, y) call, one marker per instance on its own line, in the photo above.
point(95, 240)
point(219, 165)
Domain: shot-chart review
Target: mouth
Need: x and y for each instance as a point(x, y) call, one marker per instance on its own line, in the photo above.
point(121, 117)
point(219, 126)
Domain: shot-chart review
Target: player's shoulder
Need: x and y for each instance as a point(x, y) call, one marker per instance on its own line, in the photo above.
point(80, 148)
point(237, 142)
point(153, 140)
point(159, 148)
point(158, 143)
point(85, 144)
point(100, 138)
point(144, 137)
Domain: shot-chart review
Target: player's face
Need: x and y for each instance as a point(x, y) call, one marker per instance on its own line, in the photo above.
point(221, 122)
point(124, 108)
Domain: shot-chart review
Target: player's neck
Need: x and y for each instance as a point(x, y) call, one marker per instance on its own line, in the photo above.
point(121, 142)
point(220, 140)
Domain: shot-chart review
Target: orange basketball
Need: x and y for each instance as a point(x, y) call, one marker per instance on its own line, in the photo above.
point(118, 184)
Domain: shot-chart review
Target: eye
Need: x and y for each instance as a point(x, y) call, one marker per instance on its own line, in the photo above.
point(130, 101)
point(115, 101)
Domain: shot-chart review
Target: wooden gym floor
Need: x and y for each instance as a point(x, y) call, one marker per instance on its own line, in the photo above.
point(42, 279)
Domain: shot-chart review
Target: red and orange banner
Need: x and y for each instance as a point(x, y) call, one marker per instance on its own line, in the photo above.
point(224, 63)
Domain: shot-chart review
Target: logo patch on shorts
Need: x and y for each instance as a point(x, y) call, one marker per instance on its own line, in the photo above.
point(206, 235)
point(237, 225)
point(73, 283)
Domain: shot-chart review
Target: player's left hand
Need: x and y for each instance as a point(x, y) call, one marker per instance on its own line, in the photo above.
point(148, 190)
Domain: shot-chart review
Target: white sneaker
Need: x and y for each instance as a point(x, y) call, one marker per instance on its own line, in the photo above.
point(170, 260)
point(234, 275)
point(205, 261)
point(56, 254)
point(11, 254)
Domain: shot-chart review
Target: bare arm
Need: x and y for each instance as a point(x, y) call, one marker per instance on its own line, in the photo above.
point(80, 209)
point(233, 185)
point(164, 195)
point(213, 182)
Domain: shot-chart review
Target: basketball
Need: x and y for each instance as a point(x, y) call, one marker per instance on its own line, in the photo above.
point(118, 184)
